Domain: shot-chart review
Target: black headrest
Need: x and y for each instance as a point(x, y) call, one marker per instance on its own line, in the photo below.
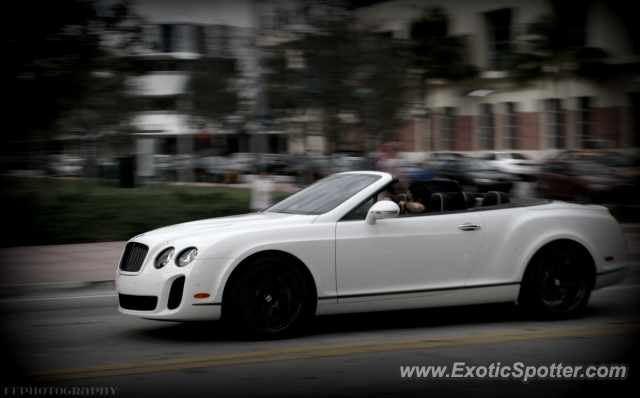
point(494, 198)
point(470, 198)
point(458, 202)
point(439, 202)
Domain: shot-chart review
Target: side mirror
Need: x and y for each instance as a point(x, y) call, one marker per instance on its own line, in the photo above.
point(381, 210)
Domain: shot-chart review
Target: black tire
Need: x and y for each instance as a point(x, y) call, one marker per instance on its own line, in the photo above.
point(558, 282)
point(270, 299)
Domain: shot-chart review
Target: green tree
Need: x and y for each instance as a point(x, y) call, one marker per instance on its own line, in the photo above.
point(68, 62)
point(339, 67)
point(216, 82)
point(434, 53)
point(213, 90)
point(551, 48)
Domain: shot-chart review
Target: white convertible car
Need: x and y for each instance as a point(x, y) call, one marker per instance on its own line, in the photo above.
point(335, 248)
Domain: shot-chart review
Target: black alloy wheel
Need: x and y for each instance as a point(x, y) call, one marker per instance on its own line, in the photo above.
point(270, 298)
point(558, 282)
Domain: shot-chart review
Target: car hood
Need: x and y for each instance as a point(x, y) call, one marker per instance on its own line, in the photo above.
point(226, 225)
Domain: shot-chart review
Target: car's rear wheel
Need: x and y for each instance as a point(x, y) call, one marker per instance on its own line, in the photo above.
point(270, 299)
point(558, 282)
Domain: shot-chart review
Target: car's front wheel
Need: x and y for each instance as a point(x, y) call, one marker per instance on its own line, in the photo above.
point(270, 299)
point(558, 282)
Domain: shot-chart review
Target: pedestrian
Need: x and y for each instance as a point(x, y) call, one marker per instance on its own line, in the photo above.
point(263, 189)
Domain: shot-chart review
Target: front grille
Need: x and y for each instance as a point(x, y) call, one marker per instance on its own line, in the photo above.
point(138, 303)
point(133, 257)
point(175, 295)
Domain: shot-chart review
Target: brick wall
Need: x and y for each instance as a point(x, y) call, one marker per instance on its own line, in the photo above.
point(465, 128)
point(528, 130)
point(607, 124)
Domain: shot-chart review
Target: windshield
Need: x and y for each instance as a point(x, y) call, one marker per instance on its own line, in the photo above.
point(324, 195)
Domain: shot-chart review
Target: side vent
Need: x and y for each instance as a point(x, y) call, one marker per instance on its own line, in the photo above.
point(175, 295)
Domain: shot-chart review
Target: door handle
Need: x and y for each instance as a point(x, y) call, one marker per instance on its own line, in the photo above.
point(468, 227)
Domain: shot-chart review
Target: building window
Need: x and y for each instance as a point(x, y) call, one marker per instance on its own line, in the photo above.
point(181, 38)
point(486, 127)
point(498, 37)
point(555, 123)
point(158, 104)
point(166, 38)
point(448, 128)
point(585, 121)
point(510, 126)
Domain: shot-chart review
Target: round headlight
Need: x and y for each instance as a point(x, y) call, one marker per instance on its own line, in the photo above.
point(164, 258)
point(186, 257)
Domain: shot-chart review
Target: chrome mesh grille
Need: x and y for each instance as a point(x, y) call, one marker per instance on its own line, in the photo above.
point(133, 257)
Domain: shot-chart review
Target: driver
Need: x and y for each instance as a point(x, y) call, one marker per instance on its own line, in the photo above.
point(418, 197)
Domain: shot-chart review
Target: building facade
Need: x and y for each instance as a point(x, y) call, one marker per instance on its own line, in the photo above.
point(492, 111)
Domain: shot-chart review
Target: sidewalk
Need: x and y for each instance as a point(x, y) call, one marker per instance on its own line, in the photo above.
point(90, 264)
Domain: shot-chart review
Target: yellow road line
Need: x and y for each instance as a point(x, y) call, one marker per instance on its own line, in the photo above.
point(324, 351)
point(295, 350)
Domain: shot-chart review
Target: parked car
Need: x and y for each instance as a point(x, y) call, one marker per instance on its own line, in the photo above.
point(274, 162)
point(626, 165)
point(211, 168)
point(334, 248)
point(245, 163)
point(108, 169)
point(164, 167)
point(475, 175)
point(513, 163)
point(299, 168)
point(413, 172)
point(584, 181)
point(67, 166)
point(436, 158)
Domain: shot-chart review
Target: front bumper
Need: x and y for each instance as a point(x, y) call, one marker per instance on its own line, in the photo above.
point(201, 276)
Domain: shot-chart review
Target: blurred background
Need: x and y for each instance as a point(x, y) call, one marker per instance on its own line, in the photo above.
point(128, 116)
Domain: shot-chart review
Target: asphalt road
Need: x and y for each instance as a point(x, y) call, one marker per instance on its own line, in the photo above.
point(82, 341)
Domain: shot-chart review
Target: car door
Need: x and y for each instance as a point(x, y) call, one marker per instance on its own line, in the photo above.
point(430, 254)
